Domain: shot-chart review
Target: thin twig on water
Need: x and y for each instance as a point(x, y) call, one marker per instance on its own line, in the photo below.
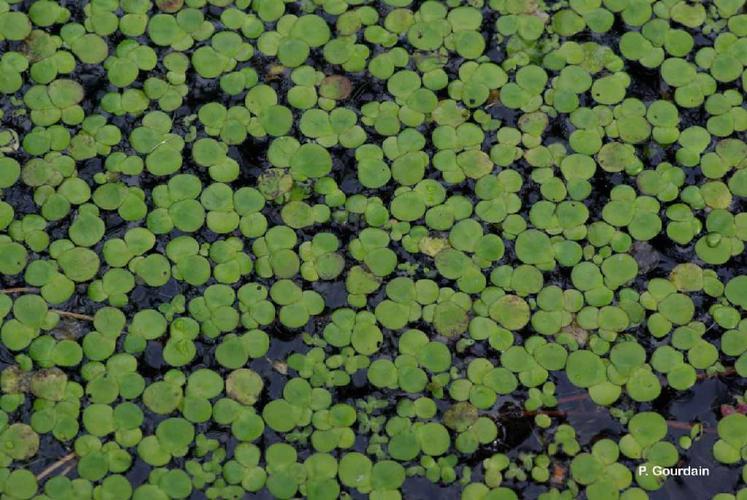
point(20, 289)
point(73, 315)
point(53, 467)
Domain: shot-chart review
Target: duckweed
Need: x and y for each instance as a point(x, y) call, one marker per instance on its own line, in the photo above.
point(488, 249)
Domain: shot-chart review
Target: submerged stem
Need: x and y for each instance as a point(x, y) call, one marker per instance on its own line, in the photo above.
point(727, 372)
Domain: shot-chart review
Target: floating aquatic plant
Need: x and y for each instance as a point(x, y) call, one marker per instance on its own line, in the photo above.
point(324, 248)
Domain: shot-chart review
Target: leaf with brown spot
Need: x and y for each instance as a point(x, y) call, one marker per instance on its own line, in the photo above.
point(335, 87)
point(169, 6)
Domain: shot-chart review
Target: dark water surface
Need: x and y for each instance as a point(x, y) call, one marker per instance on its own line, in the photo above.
point(701, 403)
